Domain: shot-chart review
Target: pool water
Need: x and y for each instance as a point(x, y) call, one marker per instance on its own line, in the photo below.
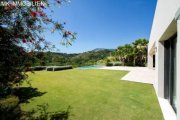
point(90, 67)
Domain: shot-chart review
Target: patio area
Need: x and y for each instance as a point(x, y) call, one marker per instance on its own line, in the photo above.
point(136, 74)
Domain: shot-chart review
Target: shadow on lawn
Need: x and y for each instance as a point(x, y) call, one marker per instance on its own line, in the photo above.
point(40, 113)
point(26, 93)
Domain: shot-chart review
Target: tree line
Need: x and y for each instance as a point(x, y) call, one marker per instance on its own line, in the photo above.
point(134, 54)
point(76, 59)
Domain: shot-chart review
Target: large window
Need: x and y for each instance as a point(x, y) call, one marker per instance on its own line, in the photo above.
point(170, 71)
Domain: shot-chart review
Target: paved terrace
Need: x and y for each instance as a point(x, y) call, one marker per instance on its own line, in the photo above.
point(136, 74)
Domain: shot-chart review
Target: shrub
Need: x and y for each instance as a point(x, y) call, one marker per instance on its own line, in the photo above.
point(49, 68)
point(9, 108)
point(129, 64)
point(39, 68)
point(62, 68)
point(117, 64)
point(58, 68)
point(109, 64)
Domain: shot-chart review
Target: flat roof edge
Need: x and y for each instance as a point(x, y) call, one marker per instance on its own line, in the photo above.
point(177, 15)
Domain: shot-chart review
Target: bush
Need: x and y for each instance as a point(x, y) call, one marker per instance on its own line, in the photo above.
point(9, 108)
point(58, 68)
point(62, 68)
point(117, 64)
point(49, 68)
point(39, 68)
point(129, 64)
point(109, 64)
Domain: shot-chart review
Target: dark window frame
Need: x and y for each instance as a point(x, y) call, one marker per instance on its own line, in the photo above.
point(169, 69)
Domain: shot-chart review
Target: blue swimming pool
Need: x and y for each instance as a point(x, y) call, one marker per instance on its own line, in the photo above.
point(90, 67)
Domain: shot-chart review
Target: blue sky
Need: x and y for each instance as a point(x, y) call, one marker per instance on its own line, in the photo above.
point(104, 23)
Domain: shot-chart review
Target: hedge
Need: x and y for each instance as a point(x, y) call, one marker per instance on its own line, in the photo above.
point(109, 64)
point(117, 64)
point(38, 68)
point(58, 68)
point(113, 64)
point(49, 68)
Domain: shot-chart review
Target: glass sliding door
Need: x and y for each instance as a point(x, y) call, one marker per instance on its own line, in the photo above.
point(173, 69)
point(170, 71)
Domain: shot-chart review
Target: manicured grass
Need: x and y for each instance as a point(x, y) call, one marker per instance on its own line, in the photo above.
point(95, 95)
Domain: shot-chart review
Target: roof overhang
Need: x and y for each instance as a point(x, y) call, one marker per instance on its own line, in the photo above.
point(172, 28)
point(170, 31)
point(177, 15)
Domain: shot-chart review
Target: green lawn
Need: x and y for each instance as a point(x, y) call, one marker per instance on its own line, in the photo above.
point(94, 95)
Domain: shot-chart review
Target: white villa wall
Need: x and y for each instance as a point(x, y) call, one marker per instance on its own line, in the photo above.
point(164, 15)
point(159, 70)
point(164, 26)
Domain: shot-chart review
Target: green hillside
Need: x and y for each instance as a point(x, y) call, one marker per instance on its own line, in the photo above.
point(76, 59)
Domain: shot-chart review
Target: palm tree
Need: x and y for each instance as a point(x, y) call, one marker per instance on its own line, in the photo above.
point(140, 51)
point(125, 52)
point(120, 53)
point(128, 49)
point(135, 53)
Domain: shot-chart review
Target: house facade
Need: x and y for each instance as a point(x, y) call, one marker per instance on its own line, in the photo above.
point(164, 52)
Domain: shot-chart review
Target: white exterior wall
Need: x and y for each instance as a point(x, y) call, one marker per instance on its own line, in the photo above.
point(150, 61)
point(164, 15)
point(165, 26)
point(159, 70)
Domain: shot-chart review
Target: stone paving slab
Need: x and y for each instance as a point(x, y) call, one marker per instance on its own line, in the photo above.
point(136, 74)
